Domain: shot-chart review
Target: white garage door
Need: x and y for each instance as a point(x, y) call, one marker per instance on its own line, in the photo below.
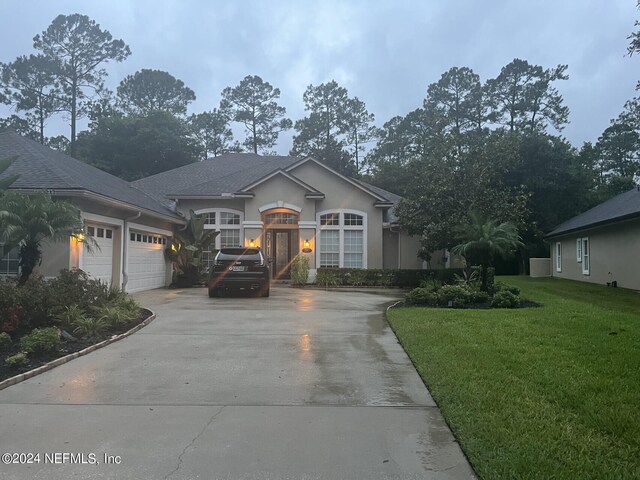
point(147, 265)
point(99, 262)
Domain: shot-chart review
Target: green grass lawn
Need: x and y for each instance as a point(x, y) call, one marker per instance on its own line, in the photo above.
point(549, 393)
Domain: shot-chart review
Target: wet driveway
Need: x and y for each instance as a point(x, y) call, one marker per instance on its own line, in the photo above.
point(306, 384)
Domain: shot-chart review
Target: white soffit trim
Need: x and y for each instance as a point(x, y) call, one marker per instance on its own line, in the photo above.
point(145, 228)
point(253, 224)
point(92, 217)
point(307, 224)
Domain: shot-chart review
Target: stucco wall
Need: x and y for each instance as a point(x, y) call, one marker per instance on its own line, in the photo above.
point(184, 206)
point(613, 249)
point(400, 250)
point(55, 257)
point(279, 188)
point(341, 194)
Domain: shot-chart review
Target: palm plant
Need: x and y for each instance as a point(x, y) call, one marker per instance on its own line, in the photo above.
point(484, 240)
point(28, 220)
point(185, 250)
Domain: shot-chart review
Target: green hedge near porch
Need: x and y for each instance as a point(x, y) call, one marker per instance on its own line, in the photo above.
point(333, 277)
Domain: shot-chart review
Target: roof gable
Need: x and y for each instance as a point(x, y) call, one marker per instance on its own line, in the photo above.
point(282, 173)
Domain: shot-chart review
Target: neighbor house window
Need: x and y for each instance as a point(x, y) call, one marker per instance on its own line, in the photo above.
point(9, 262)
point(342, 239)
point(558, 257)
point(586, 260)
point(579, 250)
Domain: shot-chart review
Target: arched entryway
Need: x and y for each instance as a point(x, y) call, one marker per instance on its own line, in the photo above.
point(281, 240)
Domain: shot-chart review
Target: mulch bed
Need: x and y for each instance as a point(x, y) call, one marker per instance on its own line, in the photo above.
point(66, 347)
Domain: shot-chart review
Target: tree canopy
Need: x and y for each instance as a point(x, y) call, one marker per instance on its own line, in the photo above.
point(78, 47)
point(253, 103)
point(148, 90)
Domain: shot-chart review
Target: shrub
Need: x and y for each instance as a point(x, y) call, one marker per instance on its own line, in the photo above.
point(502, 287)
point(35, 300)
point(90, 326)
point(5, 342)
point(423, 296)
point(505, 299)
point(385, 278)
point(300, 270)
point(70, 316)
point(432, 284)
point(17, 360)
point(41, 341)
point(357, 277)
point(327, 278)
point(76, 287)
point(454, 295)
point(114, 316)
point(478, 296)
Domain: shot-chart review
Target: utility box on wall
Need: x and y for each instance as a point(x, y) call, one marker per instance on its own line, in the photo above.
point(539, 267)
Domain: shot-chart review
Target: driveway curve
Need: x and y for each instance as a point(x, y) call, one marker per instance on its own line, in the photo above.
point(305, 384)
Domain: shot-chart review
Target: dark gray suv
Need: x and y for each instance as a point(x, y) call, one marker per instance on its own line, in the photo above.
point(239, 268)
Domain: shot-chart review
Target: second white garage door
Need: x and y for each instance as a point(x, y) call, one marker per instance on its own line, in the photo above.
point(147, 265)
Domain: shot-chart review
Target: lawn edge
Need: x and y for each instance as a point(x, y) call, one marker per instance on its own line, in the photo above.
point(67, 358)
point(446, 420)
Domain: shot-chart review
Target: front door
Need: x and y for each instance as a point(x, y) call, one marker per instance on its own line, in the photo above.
point(284, 250)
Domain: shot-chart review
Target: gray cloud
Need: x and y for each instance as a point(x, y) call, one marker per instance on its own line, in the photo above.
point(385, 52)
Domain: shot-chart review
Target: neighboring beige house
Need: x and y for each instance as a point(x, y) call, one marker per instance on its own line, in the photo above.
point(130, 227)
point(601, 245)
point(286, 205)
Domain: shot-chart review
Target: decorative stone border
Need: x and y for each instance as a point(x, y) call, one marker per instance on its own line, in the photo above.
point(67, 358)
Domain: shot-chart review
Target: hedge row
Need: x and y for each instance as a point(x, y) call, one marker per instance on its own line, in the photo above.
point(378, 277)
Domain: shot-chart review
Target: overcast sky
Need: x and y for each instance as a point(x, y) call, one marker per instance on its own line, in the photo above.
point(384, 52)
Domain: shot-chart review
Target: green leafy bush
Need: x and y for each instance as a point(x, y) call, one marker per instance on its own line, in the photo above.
point(300, 270)
point(327, 278)
point(76, 287)
point(501, 287)
point(5, 342)
point(478, 296)
point(35, 300)
point(90, 326)
point(41, 341)
point(455, 296)
point(423, 296)
point(69, 316)
point(17, 360)
point(114, 316)
point(356, 277)
point(505, 299)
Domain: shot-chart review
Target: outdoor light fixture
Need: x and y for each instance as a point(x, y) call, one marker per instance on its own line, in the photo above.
point(252, 243)
point(307, 247)
point(80, 236)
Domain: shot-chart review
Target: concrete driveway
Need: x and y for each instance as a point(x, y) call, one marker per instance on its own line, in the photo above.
point(306, 384)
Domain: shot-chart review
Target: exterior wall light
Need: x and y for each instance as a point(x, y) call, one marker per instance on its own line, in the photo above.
point(307, 247)
point(252, 243)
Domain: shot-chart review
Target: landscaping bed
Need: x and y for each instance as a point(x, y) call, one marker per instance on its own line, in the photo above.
point(549, 392)
point(41, 321)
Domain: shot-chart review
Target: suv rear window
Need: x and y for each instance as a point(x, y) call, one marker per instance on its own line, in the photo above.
point(239, 251)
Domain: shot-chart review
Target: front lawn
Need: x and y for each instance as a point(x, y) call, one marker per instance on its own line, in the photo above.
point(551, 392)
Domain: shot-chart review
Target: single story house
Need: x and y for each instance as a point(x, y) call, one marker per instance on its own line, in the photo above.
point(601, 245)
point(287, 205)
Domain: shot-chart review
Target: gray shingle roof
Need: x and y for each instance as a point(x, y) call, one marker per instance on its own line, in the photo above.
point(224, 174)
point(621, 207)
point(42, 168)
point(392, 197)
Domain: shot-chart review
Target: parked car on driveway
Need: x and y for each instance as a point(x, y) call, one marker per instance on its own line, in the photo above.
point(239, 268)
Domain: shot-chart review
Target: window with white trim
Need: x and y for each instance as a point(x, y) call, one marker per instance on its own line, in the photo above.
point(330, 248)
point(558, 257)
point(586, 257)
point(229, 224)
point(579, 250)
point(342, 239)
point(9, 262)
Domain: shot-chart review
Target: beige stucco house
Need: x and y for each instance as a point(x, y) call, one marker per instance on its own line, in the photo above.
point(601, 245)
point(286, 205)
